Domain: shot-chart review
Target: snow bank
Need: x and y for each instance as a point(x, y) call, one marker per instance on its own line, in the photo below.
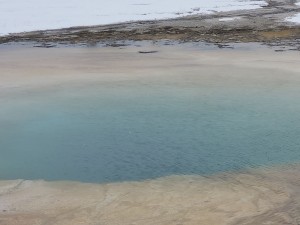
point(19, 15)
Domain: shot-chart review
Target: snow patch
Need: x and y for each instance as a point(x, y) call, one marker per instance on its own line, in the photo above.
point(225, 19)
point(294, 19)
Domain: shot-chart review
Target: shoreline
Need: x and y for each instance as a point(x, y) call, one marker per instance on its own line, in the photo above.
point(254, 196)
point(265, 25)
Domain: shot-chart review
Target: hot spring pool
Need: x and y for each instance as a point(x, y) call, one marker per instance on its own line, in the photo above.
point(161, 120)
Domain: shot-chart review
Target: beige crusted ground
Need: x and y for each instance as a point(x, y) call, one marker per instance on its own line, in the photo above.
point(257, 197)
point(27, 68)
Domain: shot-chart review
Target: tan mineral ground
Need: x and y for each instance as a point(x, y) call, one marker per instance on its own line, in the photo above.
point(256, 197)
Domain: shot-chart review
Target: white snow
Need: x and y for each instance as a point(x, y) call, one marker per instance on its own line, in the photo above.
point(294, 19)
point(28, 15)
point(225, 19)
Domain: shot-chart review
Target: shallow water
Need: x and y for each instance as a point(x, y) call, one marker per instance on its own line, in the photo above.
point(190, 119)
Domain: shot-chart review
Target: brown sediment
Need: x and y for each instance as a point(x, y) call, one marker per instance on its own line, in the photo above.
point(280, 34)
point(213, 35)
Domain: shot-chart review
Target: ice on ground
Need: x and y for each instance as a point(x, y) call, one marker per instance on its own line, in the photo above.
point(225, 19)
point(19, 16)
point(294, 19)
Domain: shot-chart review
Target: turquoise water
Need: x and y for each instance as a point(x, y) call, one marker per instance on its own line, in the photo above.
point(141, 129)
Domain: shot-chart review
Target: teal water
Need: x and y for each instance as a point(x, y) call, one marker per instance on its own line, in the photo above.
point(141, 129)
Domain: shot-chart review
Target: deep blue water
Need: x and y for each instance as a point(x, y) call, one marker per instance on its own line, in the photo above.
point(133, 130)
